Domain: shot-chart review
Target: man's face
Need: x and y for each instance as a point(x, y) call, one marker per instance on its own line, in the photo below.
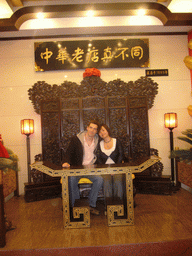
point(92, 130)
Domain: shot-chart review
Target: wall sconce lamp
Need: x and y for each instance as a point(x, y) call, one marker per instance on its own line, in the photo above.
point(27, 128)
point(170, 120)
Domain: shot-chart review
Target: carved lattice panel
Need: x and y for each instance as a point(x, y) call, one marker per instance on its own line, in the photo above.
point(70, 126)
point(139, 132)
point(93, 102)
point(96, 114)
point(70, 120)
point(117, 102)
point(70, 104)
point(118, 124)
point(93, 108)
point(118, 121)
point(50, 137)
point(50, 106)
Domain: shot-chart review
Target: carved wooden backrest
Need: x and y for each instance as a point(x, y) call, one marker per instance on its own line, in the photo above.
point(67, 109)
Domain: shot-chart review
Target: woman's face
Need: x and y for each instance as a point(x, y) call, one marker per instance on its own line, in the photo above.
point(103, 133)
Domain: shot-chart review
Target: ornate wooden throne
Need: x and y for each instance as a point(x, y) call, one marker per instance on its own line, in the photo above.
point(66, 109)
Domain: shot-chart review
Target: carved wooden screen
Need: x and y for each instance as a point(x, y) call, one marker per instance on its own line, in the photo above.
point(50, 121)
point(123, 105)
point(126, 117)
point(118, 121)
point(138, 116)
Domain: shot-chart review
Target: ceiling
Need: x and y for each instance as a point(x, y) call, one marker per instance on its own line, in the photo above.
point(69, 18)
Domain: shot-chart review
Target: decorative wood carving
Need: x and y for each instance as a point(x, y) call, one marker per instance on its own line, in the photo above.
point(36, 175)
point(66, 109)
point(157, 168)
point(92, 86)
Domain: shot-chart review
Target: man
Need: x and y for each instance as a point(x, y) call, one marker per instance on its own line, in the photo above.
point(82, 151)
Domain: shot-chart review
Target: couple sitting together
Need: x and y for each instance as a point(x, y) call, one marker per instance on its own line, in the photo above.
point(87, 148)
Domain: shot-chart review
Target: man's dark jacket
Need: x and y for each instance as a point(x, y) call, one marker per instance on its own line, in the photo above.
point(75, 151)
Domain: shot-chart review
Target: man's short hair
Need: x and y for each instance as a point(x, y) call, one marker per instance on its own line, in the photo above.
point(93, 122)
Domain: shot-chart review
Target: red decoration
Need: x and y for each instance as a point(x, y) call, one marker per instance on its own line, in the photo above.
point(3, 150)
point(91, 72)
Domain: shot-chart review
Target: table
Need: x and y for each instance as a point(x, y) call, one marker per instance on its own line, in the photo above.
point(124, 168)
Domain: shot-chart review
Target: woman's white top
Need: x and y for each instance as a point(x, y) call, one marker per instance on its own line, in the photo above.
point(108, 151)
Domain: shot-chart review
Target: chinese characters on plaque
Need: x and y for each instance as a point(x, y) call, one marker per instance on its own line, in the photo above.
point(67, 55)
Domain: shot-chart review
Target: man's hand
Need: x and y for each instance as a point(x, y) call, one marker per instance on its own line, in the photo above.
point(66, 165)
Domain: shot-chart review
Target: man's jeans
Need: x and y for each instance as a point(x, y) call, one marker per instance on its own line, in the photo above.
point(74, 189)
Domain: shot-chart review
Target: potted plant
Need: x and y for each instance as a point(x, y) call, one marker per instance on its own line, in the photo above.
point(185, 159)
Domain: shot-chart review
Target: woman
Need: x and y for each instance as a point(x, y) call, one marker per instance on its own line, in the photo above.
point(110, 151)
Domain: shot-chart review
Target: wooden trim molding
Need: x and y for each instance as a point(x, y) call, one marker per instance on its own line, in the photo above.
point(16, 2)
point(108, 9)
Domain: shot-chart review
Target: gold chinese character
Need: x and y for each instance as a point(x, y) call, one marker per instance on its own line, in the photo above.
point(137, 51)
point(107, 54)
point(123, 50)
point(78, 55)
point(62, 55)
point(46, 55)
point(93, 55)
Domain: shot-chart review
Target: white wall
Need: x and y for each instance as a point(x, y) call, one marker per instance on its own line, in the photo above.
point(18, 75)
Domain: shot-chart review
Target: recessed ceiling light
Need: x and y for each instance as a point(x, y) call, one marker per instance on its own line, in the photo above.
point(141, 12)
point(178, 6)
point(5, 10)
point(40, 15)
point(90, 13)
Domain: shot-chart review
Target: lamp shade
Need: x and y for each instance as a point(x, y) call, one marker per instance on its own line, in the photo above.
point(27, 126)
point(170, 120)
